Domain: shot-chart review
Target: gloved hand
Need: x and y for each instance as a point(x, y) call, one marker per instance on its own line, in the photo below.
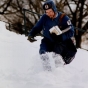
point(56, 38)
point(31, 39)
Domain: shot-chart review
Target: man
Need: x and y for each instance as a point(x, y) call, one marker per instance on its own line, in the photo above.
point(57, 35)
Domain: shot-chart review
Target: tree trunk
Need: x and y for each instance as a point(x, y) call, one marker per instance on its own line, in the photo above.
point(78, 37)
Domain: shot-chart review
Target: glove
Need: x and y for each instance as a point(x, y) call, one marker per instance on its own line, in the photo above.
point(56, 38)
point(31, 39)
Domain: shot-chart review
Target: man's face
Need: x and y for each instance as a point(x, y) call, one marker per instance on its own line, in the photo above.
point(50, 13)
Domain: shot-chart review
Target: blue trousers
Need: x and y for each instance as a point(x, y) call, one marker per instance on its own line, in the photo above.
point(65, 48)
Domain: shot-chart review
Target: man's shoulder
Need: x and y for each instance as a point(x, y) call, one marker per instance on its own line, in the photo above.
point(64, 19)
point(44, 16)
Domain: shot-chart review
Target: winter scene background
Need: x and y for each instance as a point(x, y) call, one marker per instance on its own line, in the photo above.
point(21, 67)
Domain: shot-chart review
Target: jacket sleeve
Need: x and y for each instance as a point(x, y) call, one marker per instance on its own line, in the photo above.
point(38, 27)
point(66, 24)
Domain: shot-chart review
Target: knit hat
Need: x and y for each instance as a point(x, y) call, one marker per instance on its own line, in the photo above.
point(49, 5)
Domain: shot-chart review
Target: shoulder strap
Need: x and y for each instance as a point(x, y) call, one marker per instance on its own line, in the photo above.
point(61, 17)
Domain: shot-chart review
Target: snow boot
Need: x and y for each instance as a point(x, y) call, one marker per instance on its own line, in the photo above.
point(58, 60)
point(68, 59)
point(45, 62)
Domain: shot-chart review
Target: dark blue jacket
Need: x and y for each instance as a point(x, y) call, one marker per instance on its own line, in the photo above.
point(45, 23)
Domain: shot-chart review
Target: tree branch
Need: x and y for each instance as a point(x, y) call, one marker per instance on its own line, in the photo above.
point(8, 4)
point(69, 7)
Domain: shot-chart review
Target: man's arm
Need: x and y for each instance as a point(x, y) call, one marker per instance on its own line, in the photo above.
point(38, 27)
point(67, 31)
point(67, 28)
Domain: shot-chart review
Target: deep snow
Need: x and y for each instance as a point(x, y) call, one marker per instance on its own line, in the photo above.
point(20, 65)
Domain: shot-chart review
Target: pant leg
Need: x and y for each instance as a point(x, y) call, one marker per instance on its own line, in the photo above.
point(45, 46)
point(67, 50)
point(64, 52)
point(58, 48)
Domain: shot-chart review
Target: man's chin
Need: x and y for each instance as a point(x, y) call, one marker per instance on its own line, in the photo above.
point(51, 17)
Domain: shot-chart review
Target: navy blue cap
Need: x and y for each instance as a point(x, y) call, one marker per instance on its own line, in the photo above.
point(49, 5)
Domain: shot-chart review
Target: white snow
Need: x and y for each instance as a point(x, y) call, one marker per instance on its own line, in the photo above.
point(21, 67)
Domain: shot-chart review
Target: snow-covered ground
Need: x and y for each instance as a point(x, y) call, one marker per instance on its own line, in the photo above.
point(20, 65)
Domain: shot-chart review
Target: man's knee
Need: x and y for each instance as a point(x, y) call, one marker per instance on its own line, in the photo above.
point(42, 51)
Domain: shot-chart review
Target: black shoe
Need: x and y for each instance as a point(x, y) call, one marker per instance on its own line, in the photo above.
point(68, 60)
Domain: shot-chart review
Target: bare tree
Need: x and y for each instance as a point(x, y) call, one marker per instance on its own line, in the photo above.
point(77, 11)
point(15, 14)
point(11, 12)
